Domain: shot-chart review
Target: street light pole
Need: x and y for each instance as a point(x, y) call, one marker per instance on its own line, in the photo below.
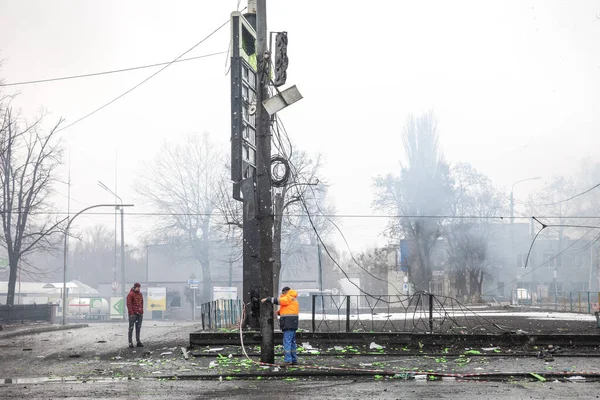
point(512, 198)
point(65, 255)
point(103, 186)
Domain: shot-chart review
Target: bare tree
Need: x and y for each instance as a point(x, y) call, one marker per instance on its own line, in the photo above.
point(468, 240)
point(28, 161)
point(93, 256)
point(293, 233)
point(419, 195)
point(184, 185)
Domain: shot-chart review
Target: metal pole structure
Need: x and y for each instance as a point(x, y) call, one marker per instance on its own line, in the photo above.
point(320, 268)
point(147, 260)
point(263, 184)
point(103, 186)
point(123, 259)
point(555, 275)
point(65, 255)
point(194, 304)
point(512, 228)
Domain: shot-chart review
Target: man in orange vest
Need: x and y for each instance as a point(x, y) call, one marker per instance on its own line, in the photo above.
point(288, 323)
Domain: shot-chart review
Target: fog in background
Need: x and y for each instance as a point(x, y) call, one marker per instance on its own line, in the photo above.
point(513, 86)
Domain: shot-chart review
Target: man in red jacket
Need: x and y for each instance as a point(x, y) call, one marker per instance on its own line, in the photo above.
point(135, 307)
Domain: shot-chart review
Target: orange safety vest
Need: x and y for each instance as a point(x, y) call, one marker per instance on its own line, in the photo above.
point(288, 304)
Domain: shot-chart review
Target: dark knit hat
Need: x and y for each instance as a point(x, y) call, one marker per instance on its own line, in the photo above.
point(285, 289)
point(137, 284)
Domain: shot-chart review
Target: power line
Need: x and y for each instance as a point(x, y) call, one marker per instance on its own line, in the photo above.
point(544, 226)
point(544, 263)
point(561, 201)
point(361, 216)
point(572, 197)
point(145, 80)
point(300, 195)
point(114, 71)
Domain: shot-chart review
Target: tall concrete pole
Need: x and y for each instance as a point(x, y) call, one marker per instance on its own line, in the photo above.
point(123, 261)
point(263, 185)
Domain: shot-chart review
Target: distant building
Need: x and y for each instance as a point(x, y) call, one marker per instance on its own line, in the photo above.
point(554, 268)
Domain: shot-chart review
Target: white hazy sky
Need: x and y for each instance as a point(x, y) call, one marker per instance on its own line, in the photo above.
point(515, 86)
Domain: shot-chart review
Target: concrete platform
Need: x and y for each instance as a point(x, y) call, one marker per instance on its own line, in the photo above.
point(198, 339)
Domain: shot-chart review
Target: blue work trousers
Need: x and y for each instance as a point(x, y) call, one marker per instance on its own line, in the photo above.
point(289, 346)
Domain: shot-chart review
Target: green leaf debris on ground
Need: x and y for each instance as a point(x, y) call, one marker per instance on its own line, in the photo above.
point(538, 377)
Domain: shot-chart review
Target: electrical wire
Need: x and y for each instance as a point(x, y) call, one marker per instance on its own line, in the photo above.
point(145, 80)
point(544, 263)
point(544, 226)
point(300, 195)
point(114, 71)
point(569, 199)
point(361, 216)
point(533, 241)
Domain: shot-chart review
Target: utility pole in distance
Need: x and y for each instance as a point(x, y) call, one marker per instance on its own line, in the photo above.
point(263, 184)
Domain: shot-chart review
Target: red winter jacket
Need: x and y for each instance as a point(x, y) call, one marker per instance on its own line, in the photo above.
point(135, 302)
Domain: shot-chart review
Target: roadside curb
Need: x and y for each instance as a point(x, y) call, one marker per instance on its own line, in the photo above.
point(44, 329)
point(305, 372)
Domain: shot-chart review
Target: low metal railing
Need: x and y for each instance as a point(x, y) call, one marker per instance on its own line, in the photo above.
point(28, 312)
point(222, 313)
point(578, 302)
point(420, 312)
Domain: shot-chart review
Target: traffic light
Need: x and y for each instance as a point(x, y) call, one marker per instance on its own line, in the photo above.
point(281, 59)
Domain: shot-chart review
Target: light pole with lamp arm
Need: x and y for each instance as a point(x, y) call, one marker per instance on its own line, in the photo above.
point(103, 186)
point(512, 198)
point(66, 248)
point(512, 229)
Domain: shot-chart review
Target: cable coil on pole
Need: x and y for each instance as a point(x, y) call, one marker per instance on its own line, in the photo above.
point(279, 180)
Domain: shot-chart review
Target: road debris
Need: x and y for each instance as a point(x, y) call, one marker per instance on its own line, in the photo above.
point(376, 346)
point(215, 349)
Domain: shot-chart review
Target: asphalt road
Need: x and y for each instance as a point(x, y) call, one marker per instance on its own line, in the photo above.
point(302, 389)
point(96, 362)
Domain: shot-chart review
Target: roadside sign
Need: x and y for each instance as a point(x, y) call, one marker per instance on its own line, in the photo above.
point(96, 302)
point(193, 286)
point(406, 286)
point(157, 299)
point(114, 285)
point(224, 292)
point(193, 281)
point(117, 307)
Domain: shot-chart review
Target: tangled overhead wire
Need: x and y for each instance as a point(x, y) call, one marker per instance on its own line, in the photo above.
point(280, 171)
point(420, 312)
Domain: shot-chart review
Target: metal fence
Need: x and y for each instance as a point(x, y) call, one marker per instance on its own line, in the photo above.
point(420, 312)
point(221, 313)
point(28, 312)
point(579, 302)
